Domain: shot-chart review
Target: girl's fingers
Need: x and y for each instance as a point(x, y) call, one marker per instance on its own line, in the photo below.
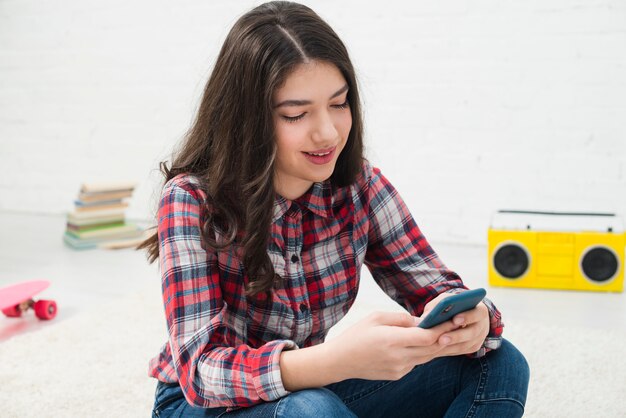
point(464, 340)
point(471, 316)
point(460, 336)
point(419, 337)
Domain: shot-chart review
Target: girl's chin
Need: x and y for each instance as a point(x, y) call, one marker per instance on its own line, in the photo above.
point(322, 173)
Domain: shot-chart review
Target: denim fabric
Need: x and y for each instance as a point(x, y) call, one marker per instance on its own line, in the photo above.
point(491, 386)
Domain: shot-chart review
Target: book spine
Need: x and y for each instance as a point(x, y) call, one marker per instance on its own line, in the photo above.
point(101, 207)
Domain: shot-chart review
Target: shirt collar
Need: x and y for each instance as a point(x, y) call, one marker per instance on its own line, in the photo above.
point(318, 199)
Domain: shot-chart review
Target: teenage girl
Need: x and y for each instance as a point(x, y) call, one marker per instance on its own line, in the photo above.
point(268, 213)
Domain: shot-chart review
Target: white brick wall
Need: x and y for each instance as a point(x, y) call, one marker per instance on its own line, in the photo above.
point(470, 106)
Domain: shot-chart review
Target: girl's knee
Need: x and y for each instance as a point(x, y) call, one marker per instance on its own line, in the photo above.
point(515, 359)
point(313, 403)
point(511, 365)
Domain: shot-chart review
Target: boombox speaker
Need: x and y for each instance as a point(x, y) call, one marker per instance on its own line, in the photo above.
point(551, 250)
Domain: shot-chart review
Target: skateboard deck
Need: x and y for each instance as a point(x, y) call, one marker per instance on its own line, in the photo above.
point(18, 298)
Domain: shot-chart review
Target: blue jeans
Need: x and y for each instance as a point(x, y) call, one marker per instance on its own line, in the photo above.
point(492, 386)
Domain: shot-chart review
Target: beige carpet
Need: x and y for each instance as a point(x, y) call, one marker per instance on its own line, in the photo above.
point(94, 364)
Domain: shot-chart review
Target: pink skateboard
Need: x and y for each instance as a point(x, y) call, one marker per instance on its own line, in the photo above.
point(18, 298)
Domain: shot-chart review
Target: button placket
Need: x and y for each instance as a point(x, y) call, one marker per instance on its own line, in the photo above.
point(298, 278)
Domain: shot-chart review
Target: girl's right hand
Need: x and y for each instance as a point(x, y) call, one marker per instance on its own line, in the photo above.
point(385, 346)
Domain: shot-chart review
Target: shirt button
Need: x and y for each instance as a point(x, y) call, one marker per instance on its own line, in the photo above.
point(303, 307)
point(294, 258)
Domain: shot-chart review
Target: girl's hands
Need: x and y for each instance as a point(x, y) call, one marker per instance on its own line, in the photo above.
point(470, 328)
point(383, 346)
point(386, 346)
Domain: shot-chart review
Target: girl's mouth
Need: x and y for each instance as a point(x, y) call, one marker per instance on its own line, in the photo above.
point(320, 156)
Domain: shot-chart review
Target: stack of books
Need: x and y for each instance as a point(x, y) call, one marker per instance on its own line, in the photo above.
point(99, 220)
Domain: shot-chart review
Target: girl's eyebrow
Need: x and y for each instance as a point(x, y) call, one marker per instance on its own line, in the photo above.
point(308, 102)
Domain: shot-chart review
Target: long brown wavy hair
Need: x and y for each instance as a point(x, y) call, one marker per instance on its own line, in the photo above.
point(231, 145)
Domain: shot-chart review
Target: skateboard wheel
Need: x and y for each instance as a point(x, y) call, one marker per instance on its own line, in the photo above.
point(13, 311)
point(45, 309)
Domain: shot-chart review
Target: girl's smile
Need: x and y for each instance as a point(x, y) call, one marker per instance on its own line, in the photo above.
point(321, 156)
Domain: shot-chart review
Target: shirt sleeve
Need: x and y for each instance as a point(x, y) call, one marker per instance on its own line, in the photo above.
point(403, 263)
point(210, 373)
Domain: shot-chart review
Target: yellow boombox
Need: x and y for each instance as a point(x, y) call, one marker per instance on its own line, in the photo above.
point(551, 250)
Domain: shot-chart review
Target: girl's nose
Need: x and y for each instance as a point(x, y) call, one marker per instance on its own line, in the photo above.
point(325, 130)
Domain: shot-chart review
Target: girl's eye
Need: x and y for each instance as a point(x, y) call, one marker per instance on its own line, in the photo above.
point(293, 118)
point(343, 105)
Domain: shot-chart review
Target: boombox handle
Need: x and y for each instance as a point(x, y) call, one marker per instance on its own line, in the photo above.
point(530, 212)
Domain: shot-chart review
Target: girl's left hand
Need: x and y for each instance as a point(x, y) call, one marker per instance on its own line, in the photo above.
point(473, 327)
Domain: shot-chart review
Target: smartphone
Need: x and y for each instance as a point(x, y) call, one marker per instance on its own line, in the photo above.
point(451, 306)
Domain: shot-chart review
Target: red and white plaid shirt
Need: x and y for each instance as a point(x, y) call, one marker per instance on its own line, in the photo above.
point(223, 347)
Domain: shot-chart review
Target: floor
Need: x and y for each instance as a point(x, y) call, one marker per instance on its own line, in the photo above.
point(31, 248)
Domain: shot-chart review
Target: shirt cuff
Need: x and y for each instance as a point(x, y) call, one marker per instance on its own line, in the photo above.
point(265, 365)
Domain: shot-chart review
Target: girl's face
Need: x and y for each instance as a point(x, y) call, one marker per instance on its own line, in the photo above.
point(312, 121)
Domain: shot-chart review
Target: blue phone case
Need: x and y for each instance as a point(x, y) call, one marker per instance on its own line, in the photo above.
point(451, 306)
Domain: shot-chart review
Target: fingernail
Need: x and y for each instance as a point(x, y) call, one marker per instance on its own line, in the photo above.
point(459, 320)
point(445, 340)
